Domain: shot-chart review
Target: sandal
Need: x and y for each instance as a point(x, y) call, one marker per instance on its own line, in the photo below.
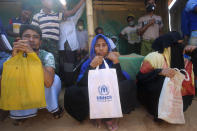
point(58, 114)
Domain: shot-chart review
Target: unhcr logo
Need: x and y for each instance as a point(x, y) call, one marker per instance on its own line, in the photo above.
point(104, 94)
point(103, 90)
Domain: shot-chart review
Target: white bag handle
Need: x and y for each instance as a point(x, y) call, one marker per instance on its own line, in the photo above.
point(105, 63)
point(186, 79)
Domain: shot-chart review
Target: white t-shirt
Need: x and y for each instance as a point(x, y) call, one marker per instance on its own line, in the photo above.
point(113, 46)
point(131, 33)
point(82, 37)
point(153, 31)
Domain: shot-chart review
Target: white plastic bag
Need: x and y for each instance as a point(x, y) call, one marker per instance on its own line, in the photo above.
point(104, 99)
point(170, 106)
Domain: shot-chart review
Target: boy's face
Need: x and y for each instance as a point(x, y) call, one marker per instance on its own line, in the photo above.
point(33, 38)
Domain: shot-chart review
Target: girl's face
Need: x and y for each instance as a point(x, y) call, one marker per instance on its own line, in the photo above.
point(101, 47)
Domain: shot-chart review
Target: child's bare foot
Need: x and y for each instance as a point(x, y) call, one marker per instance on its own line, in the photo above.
point(98, 123)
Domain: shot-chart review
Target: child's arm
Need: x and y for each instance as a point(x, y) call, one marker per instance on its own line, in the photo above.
point(74, 10)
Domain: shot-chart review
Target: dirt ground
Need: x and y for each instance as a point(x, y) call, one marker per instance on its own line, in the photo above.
point(138, 120)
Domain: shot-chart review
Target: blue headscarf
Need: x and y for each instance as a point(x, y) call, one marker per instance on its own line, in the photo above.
point(93, 54)
point(86, 64)
point(92, 50)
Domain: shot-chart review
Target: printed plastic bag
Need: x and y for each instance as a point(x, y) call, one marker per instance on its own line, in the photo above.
point(104, 99)
point(22, 85)
point(170, 106)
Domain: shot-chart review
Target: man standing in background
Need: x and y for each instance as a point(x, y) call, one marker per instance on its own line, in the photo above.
point(49, 22)
point(149, 27)
point(15, 23)
point(68, 46)
point(130, 33)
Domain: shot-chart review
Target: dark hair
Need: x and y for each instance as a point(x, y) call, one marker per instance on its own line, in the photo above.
point(99, 37)
point(145, 1)
point(80, 20)
point(23, 28)
point(96, 30)
point(166, 40)
point(129, 17)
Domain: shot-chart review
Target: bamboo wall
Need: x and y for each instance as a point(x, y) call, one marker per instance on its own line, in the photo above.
point(108, 12)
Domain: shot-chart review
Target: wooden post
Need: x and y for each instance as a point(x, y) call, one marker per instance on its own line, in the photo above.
point(95, 18)
point(90, 23)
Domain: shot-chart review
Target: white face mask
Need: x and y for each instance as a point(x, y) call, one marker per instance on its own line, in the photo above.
point(80, 27)
point(131, 23)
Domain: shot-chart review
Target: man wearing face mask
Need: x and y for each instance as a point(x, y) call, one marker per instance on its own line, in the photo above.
point(130, 33)
point(149, 27)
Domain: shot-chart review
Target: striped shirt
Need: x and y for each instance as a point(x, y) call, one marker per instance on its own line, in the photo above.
point(48, 23)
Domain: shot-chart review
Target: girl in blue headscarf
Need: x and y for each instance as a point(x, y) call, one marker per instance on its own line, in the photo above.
point(76, 100)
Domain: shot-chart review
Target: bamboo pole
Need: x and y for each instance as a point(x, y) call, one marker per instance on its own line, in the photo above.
point(95, 18)
point(90, 23)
